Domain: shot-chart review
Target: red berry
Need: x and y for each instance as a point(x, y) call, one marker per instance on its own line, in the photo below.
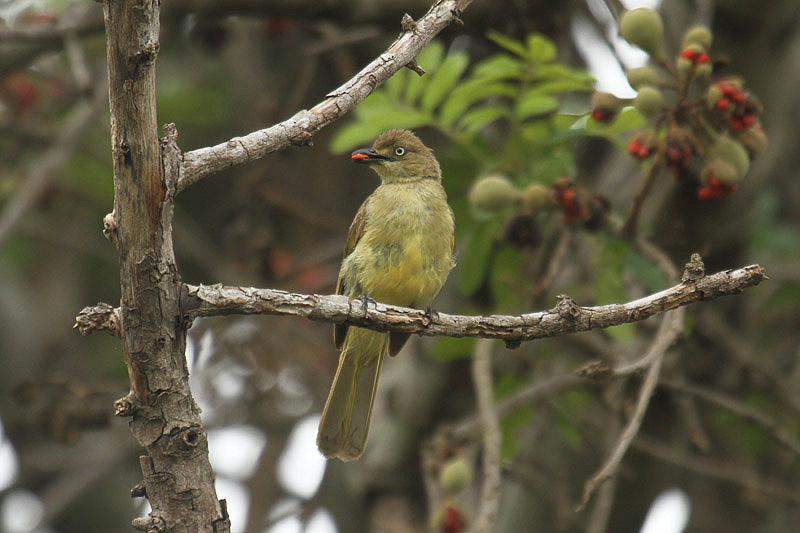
point(723, 104)
point(643, 152)
point(602, 116)
point(748, 120)
point(568, 201)
point(737, 123)
point(452, 521)
point(634, 146)
point(708, 193)
point(727, 89)
point(702, 57)
point(687, 53)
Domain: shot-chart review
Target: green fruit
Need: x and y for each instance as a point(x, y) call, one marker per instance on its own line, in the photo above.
point(713, 94)
point(455, 475)
point(698, 35)
point(733, 153)
point(494, 193)
point(722, 171)
point(643, 27)
point(754, 140)
point(606, 102)
point(640, 76)
point(535, 196)
point(685, 67)
point(703, 70)
point(649, 101)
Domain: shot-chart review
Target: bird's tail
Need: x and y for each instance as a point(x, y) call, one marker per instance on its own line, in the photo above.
point(345, 420)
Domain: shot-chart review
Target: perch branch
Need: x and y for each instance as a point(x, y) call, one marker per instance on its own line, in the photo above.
point(299, 129)
point(566, 317)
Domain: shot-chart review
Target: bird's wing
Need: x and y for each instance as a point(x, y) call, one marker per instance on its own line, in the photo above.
point(353, 236)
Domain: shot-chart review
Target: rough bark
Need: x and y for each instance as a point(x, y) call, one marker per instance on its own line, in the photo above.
point(565, 318)
point(178, 479)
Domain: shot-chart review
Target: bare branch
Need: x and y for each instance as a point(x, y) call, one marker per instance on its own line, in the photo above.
point(667, 333)
point(98, 317)
point(565, 318)
point(299, 129)
point(490, 425)
point(731, 472)
point(49, 164)
point(746, 412)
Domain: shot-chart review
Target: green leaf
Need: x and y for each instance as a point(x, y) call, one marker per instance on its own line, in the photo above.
point(480, 117)
point(361, 132)
point(444, 79)
point(395, 86)
point(629, 119)
point(540, 48)
point(429, 59)
point(512, 45)
point(498, 67)
point(534, 103)
point(470, 92)
point(557, 71)
point(551, 163)
point(373, 105)
point(475, 260)
point(535, 132)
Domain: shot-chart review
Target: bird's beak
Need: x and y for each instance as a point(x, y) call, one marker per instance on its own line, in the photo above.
point(368, 155)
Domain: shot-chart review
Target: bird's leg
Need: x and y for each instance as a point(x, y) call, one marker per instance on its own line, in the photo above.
point(366, 301)
point(431, 314)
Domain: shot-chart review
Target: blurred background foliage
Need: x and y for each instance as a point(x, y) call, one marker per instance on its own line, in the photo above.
point(505, 94)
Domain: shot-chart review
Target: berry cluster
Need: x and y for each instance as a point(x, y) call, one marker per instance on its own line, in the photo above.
point(494, 194)
point(702, 126)
point(739, 107)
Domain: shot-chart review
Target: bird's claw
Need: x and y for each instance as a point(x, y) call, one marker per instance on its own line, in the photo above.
point(431, 314)
point(366, 301)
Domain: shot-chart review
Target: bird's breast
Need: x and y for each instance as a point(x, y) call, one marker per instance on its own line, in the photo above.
point(405, 253)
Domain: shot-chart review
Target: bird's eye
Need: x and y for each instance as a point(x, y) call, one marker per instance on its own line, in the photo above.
point(399, 151)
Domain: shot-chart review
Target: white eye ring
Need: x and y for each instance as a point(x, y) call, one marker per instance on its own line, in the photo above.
point(399, 150)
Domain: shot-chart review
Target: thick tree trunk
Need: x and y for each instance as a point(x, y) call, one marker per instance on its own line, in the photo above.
point(178, 479)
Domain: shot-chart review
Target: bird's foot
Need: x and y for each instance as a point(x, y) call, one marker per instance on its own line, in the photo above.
point(431, 314)
point(366, 301)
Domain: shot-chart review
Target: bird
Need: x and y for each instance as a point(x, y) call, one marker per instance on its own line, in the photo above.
point(400, 249)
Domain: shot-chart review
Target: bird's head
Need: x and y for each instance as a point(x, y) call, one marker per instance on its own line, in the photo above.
point(399, 155)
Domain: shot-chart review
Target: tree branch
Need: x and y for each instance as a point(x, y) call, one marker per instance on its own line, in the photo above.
point(490, 426)
point(667, 333)
point(565, 318)
point(49, 164)
point(299, 129)
point(178, 479)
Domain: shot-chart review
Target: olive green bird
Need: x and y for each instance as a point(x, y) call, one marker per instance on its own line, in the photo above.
point(399, 251)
